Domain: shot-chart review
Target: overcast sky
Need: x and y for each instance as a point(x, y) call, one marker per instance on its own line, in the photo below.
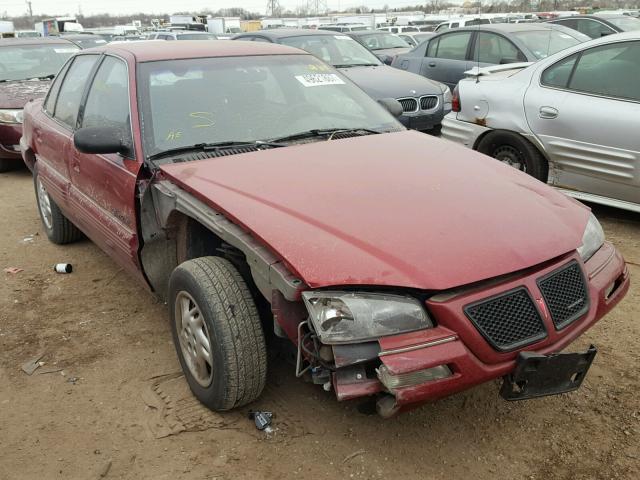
point(19, 7)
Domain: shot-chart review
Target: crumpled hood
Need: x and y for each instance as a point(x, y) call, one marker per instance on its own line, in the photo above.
point(398, 209)
point(388, 82)
point(15, 94)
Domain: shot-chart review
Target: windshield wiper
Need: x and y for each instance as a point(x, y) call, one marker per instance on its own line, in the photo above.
point(358, 65)
point(207, 147)
point(316, 132)
point(51, 76)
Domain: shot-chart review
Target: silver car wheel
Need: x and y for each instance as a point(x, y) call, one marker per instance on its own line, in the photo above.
point(195, 342)
point(44, 205)
point(511, 156)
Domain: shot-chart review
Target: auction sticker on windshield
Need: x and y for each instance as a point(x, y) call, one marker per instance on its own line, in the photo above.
point(319, 79)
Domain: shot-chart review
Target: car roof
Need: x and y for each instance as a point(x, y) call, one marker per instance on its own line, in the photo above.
point(368, 32)
point(149, 51)
point(506, 27)
point(276, 33)
point(33, 41)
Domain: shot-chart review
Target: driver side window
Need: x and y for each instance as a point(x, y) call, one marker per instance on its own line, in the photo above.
point(108, 101)
point(72, 89)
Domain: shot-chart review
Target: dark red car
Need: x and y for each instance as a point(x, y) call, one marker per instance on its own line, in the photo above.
point(27, 66)
point(265, 196)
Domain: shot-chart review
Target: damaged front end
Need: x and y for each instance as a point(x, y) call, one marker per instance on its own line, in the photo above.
point(339, 342)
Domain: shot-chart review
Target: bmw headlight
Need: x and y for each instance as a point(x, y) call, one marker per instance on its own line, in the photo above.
point(592, 239)
point(447, 99)
point(11, 116)
point(351, 317)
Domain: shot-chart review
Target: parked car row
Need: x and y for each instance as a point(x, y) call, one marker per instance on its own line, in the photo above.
point(267, 199)
point(424, 102)
point(570, 120)
point(27, 66)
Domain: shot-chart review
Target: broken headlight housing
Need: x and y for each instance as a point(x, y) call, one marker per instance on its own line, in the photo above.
point(592, 239)
point(11, 116)
point(352, 317)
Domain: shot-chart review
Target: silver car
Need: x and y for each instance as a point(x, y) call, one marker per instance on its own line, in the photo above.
point(572, 119)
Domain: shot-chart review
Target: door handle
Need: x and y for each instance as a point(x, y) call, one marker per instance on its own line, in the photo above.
point(432, 64)
point(75, 165)
point(548, 112)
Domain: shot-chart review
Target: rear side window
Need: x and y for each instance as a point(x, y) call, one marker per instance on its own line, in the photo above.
point(453, 46)
point(50, 102)
point(593, 28)
point(558, 75)
point(72, 89)
point(609, 70)
point(495, 49)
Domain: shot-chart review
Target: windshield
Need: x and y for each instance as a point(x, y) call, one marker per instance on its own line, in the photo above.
point(543, 43)
point(196, 36)
point(211, 100)
point(22, 62)
point(626, 24)
point(337, 50)
point(380, 41)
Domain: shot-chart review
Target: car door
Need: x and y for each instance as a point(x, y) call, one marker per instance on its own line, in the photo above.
point(103, 187)
point(53, 136)
point(585, 109)
point(447, 58)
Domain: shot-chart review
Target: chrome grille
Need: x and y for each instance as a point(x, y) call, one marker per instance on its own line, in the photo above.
point(409, 105)
point(428, 102)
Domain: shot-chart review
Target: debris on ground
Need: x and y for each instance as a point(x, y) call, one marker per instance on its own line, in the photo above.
point(73, 380)
point(353, 455)
point(104, 471)
point(13, 270)
point(63, 268)
point(32, 365)
point(262, 420)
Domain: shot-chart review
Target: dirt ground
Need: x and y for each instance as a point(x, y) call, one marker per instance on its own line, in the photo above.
point(116, 411)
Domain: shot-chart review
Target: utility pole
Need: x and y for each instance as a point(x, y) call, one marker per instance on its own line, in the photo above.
point(30, 8)
point(273, 8)
point(315, 7)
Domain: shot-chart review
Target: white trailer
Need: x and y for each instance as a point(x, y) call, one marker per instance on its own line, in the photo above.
point(7, 29)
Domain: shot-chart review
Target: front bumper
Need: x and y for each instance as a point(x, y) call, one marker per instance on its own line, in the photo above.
point(10, 142)
point(457, 344)
point(465, 133)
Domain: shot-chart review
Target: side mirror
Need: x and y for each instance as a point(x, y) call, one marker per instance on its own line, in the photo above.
point(393, 106)
point(99, 140)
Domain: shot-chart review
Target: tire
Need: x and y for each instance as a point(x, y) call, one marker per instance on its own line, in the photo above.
point(222, 311)
point(59, 228)
point(516, 151)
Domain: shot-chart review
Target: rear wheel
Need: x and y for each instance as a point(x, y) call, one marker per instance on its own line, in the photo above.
point(217, 333)
point(515, 151)
point(59, 228)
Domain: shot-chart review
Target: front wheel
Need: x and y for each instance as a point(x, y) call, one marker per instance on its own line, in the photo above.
point(515, 151)
point(217, 333)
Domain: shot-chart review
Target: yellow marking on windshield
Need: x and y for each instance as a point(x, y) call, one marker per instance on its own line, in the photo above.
point(173, 136)
point(206, 118)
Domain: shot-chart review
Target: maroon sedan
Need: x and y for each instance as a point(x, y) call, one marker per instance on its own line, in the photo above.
point(264, 196)
point(27, 66)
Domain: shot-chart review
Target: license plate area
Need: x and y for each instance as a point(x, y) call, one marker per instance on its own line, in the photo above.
point(538, 375)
